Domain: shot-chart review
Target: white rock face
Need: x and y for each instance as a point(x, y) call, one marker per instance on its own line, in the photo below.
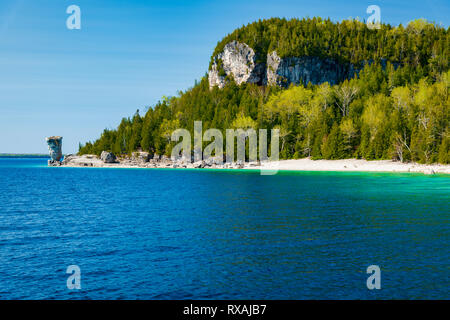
point(273, 63)
point(108, 157)
point(238, 60)
point(87, 160)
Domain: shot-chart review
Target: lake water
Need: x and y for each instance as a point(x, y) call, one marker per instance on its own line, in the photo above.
point(197, 234)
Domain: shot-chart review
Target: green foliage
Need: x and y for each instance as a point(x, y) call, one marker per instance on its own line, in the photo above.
point(396, 108)
point(244, 123)
point(333, 144)
point(444, 150)
point(220, 68)
point(349, 41)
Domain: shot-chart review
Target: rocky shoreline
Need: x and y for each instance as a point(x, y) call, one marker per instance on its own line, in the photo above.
point(144, 160)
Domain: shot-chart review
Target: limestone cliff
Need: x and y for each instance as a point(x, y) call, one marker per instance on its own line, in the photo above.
point(284, 71)
point(238, 61)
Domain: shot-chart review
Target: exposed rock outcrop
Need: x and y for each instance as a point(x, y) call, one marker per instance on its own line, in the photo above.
point(283, 72)
point(143, 157)
point(238, 61)
point(108, 157)
point(87, 160)
point(67, 159)
point(55, 150)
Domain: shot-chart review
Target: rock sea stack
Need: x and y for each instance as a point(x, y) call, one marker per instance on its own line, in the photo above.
point(55, 150)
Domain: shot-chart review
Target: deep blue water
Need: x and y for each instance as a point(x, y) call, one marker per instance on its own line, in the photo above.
point(191, 234)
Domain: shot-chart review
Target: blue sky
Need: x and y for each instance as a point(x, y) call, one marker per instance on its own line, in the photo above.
point(127, 55)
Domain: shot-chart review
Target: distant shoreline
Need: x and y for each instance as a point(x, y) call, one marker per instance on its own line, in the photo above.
point(306, 164)
point(25, 155)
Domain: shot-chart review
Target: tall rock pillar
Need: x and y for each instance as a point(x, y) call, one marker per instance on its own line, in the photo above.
point(55, 150)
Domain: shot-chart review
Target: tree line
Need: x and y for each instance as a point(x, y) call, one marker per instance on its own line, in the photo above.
point(420, 44)
point(395, 109)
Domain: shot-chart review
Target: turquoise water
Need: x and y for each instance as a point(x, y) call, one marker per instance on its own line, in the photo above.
point(197, 234)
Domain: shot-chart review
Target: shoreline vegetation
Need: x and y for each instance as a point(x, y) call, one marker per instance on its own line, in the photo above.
point(391, 100)
point(305, 164)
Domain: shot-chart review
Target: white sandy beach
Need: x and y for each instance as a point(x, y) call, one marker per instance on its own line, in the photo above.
point(358, 165)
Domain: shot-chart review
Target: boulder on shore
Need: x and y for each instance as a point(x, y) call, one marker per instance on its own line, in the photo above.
point(67, 159)
point(140, 156)
point(108, 157)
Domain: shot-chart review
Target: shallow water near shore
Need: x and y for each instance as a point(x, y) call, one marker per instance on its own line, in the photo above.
point(221, 234)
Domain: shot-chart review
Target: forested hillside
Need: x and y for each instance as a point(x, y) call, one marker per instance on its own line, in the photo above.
point(396, 108)
point(349, 41)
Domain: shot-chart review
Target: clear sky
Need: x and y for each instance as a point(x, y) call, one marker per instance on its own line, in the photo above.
point(127, 55)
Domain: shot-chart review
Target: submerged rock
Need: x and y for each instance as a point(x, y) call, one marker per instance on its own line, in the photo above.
point(108, 157)
point(55, 150)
